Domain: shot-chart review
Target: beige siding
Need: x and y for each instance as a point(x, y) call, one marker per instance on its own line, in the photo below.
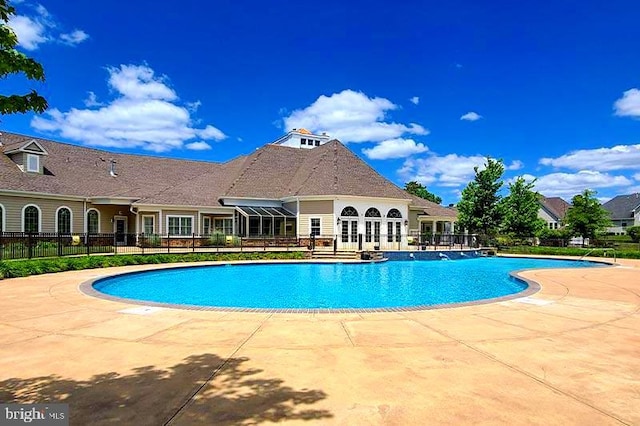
point(413, 219)
point(326, 224)
point(107, 213)
point(13, 212)
point(141, 224)
point(316, 207)
point(165, 213)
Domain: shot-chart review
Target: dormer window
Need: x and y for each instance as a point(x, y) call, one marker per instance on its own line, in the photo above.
point(28, 156)
point(33, 163)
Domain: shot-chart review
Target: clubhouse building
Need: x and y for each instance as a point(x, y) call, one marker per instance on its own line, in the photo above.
point(300, 185)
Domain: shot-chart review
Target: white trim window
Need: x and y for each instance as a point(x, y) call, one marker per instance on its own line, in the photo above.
point(93, 221)
point(31, 218)
point(315, 225)
point(33, 163)
point(206, 225)
point(2, 219)
point(64, 219)
point(148, 224)
point(179, 225)
point(223, 226)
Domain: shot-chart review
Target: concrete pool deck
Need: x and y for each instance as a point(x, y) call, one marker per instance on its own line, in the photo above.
point(569, 354)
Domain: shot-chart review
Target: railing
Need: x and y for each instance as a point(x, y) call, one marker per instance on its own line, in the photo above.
point(20, 245)
point(374, 242)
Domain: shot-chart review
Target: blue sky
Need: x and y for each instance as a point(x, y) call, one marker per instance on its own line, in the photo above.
point(420, 91)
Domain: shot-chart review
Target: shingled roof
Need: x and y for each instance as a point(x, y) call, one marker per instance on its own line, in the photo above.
point(623, 206)
point(271, 172)
point(556, 206)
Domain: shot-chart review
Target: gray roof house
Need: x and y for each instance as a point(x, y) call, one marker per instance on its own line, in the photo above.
point(280, 189)
point(552, 211)
point(625, 212)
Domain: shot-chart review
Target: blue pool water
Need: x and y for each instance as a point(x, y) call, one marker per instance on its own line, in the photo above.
point(330, 286)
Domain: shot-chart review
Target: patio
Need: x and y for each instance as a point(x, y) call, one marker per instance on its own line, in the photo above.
point(566, 355)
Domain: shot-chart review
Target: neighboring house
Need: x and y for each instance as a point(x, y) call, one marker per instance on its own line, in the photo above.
point(552, 211)
point(625, 212)
point(278, 190)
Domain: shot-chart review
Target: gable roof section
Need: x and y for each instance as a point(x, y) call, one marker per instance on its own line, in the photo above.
point(79, 171)
point(556, 206)
point(623, 206)
point(31, 146)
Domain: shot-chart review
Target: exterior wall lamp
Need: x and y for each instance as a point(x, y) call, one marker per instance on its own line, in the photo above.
point(338, 221)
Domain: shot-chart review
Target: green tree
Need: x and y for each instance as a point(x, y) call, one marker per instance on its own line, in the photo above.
point(479, 209)
point(586, 217)
point(634, 233)
point(419, 190)
point(520, 210)
point(14, 62)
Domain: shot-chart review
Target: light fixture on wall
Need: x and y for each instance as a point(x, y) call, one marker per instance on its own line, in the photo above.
point(338, 221)
point(406, 222)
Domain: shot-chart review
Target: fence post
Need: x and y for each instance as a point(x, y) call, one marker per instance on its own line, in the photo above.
point(193, 242)
point(168, 244)
point(29, 246)
point(115, 243)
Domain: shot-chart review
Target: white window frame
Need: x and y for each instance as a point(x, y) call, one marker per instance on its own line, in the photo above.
point(213, 224)
point(86, 220)
point(311, 219)
point(70, 218)
point(3, 220)
point(206, 227)
point(167, 217)
point(39, 217)
point(153, 225)
point(37, 159)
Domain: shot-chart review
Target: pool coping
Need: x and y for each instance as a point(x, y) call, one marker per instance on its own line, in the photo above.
point(533, 287)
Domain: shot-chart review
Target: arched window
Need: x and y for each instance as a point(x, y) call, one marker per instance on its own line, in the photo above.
point(31, 218)
point(394, 214)
point(93, 221)
point(63, 220)
point(349, 211)
point(372, 212)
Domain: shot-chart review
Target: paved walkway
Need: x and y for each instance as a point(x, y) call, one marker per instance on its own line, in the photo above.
point(569, 354)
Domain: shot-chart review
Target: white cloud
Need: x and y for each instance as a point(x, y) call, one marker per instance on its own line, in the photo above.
point(30, 32)
point(471, 116)
point(415, 100)
point(567, 185)
point(145, 114)
point(193, 106)
point(74, 37)
point(619, 157)
point(629, 104)
point(637, 177)
point(92, 100)
point(39, 27)
point(450, 170)
point(515, 165)
point(351, 117)
point(198, 146)
point(394, 148)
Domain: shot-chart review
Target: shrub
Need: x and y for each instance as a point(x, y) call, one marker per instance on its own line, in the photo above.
point(26, 267)
point(217, 239)
point(634, 233)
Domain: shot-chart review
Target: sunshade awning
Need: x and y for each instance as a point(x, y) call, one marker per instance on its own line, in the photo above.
point(264, 212)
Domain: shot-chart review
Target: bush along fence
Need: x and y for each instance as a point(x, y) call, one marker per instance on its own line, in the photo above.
point(20, 245)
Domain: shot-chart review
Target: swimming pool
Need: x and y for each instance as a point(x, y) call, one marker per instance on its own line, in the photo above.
point(303, 286)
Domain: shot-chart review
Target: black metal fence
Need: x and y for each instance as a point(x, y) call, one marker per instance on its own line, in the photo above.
point(360, 242)
point(20, 245)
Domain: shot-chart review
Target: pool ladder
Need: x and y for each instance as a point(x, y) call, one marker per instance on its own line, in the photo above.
point(605, 253)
